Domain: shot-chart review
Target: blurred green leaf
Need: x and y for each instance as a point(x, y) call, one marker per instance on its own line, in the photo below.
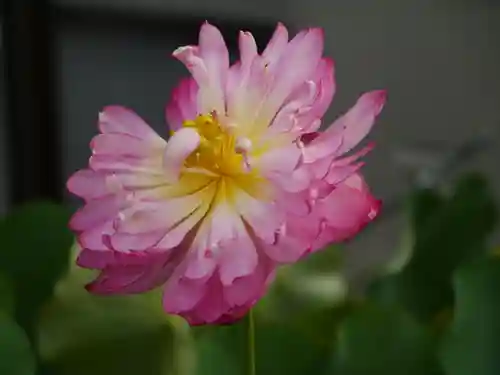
point(16, 357)
point(80, 333)
point(221, 350)
point(383, 341)
point(327, 260)
point(6, 296)
point(313, 284)
point(446, 233)
point(35, 244)
point(473, 340)
point(298, 343)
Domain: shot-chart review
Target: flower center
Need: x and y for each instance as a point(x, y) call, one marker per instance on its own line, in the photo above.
point(223, 158)
point(221, 151)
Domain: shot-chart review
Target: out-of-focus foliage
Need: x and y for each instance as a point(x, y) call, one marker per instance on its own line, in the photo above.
point(447, 231)
point(84, 334)
point(471, 346)
point(16, 356)
point(380, 340)
point(34, 254)
point(438, 313)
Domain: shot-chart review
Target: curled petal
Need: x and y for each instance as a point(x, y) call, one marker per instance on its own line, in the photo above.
point(208, 63)
point(183, 104)
point(179, 147)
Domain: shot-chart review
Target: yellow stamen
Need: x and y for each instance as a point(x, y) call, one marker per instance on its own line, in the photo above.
point(222, 153)
point(217, 151)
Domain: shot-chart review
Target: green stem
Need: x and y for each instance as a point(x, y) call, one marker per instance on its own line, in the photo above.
point(251, 343)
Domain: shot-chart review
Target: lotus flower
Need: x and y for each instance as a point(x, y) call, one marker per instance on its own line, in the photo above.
point(246, 181)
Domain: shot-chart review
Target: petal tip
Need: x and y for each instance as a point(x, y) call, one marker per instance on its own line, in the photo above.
point(376, 99)
point(317, 32)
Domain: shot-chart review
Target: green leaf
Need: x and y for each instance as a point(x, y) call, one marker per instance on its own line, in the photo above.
point(6, 296)
point(80, 333)
point(16, 357)
point(221, 350)
point(383, 341)
point(473, 340)
point(314, 284)
point(446, 234)
point(295, 345)
point(34, 254)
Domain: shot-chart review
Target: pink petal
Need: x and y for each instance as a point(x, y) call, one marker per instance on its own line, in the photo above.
point(347, 209)
point(134, 273)
point(308, 119)
point(302, 99)
point(238, 80)
point(190, 57)
point(123, 242)
point(96, 212)
point(276, 45)
point(293, 182)
point(280, 160)
point(308, 103)
point(175, 236)
point(120, 144)
point(215, 55)
point(358, 121)
point(92, 239)
point(179, 147)
point(238, 258)
point(88, 184)
point(248, 288)
point(222, 226)
point(126, 164)
point(294, 239)
point(181, 294)
point(325, 78)
point(263, 217)
point(211, 306)
point(248, 48)
point(208, 63)
point(305, 51)
point(212, 302)
point(95, 259)
point(120, 120)
point(287, 250)
point(149, 216)
point(183, 104)
point(323, 146)
point(292, 203)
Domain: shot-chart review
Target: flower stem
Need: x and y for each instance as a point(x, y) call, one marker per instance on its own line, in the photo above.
point(251, 343)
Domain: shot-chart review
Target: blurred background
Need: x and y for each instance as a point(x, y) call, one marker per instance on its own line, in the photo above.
point(62, 61)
